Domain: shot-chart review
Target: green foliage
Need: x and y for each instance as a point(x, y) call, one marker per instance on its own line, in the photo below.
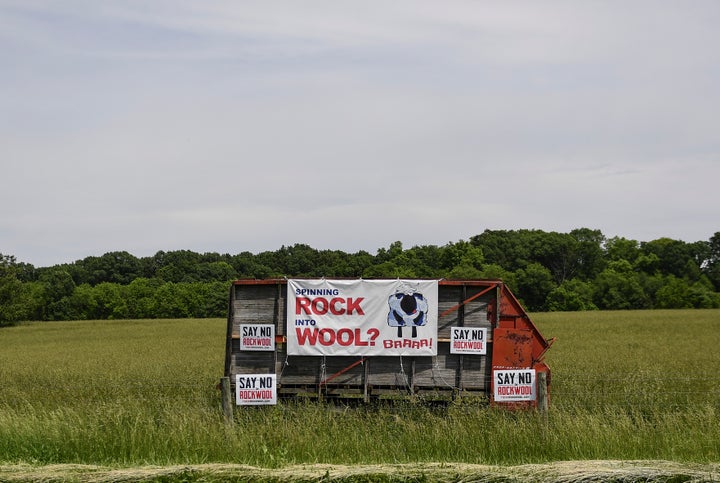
point(496, 272)
point(619, 248)
point(571, 295)
point(580, 270)
point(462, 260)
point(114, 267)
point(703, 298)
point(674, 294)
point(674, 257)
point(712, 264)
point(575, 254)
point(618, 287)
point(504, 248)
point(141, 299)
point(589, 252)
point(17, 299)
point(534, 283)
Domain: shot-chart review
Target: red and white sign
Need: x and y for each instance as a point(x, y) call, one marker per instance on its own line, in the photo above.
point(514, 385)
point(257, 337)
point(362, 317)
point(255, 389)
point(468, 340)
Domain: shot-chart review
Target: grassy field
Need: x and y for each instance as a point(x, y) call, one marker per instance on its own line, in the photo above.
point(625, 386)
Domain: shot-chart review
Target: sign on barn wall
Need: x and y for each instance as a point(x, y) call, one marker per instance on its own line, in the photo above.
point(257, 337)
point(362, 317)
point(255, 389)
point(514, 385)
point(468, 340)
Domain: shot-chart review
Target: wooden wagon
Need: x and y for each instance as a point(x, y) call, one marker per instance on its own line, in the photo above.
point(512, 345)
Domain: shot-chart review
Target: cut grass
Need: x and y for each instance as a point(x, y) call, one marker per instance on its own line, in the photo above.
point(562, 471)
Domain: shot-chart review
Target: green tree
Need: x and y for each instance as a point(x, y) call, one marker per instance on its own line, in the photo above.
point(711, 266)
point(32, 298)
point(218, 271)
point(590, 256)
point(534, 283)
point(12, 297)
point(677, 293)
point(214, 299)
point(57, 285)
point(506, 248)
point(565, 255)
point(247, 265)
point(115, 267)
point(298, 260)
point(394, 262)
point(673, 256)
point(176, 266)
point(674, 294)
point(390, 269)
point(430, 258)
point(111, 301)
point(460, 260)
point(618, 288)
point(701, 297)
point(650, 285)
point(168, 303)
point(82, 304)
point(618, 248)
point(191, 299)
point(558, 252)
point(140, 298)
point(490, 271)
point(571, 295)
point(337, 263)
point(25, 272)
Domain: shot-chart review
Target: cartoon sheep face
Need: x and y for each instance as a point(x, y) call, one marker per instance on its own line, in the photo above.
point(408, 308)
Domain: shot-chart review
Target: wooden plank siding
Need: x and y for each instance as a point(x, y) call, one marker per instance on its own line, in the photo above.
point(445, 375)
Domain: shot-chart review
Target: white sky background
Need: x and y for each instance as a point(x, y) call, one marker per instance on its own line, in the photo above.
point(230, 126)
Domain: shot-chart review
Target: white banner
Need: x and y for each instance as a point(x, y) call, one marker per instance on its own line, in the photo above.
point(362, 317)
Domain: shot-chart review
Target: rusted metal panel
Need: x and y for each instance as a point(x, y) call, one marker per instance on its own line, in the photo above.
point(512, 348)
point(517, 343)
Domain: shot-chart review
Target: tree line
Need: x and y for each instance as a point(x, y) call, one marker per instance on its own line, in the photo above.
point(548, 271)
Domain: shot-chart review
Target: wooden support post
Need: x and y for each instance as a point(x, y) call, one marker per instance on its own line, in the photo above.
point(366, 374)
point(227, 400)
point(542, 392)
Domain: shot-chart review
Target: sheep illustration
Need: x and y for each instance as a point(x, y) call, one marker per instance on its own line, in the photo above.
point(408, 308)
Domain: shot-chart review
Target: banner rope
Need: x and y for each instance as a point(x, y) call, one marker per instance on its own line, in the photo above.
point(323, 372)
point(404, 376)
point(285, 364)
point(436, 365)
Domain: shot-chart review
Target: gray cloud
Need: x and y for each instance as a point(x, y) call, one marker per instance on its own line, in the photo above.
point(230, 126)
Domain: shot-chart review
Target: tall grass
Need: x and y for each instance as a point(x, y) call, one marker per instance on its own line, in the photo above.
point(625, 385)
point(652, 360)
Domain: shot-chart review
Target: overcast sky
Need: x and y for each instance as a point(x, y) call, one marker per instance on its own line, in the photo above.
point(230, 126)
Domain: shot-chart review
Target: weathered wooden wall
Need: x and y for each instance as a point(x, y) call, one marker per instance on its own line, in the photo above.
point(443, 376)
